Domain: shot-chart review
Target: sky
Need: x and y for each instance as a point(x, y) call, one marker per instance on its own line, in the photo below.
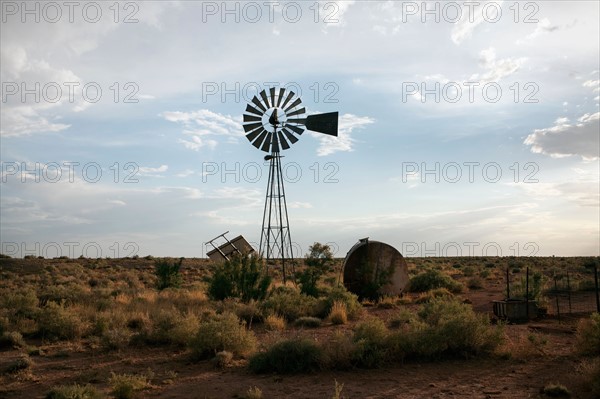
point(465, 128)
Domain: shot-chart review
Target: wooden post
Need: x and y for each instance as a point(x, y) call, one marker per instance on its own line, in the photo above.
point(527, 293)
point(556, 296)
point(596, 283)
point(569, 292)
point(508, 285)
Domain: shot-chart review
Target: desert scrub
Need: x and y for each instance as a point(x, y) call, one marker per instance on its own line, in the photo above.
point(289, 303)
point(12, 339)
point(74, 392)
point(59, 322)
point(338, 313)
point(274, 322)
point(223, 333)
point(242, 277)
point(125, 386)
point(308, 322)
point(167, 273)
point(431, 279)
point(296, 355)
point(370, 343)
point(588, 335)
point(339, 294)
point(444, 328)
point(433, 294)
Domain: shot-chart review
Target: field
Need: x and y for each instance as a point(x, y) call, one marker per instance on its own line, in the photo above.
point(101, 328)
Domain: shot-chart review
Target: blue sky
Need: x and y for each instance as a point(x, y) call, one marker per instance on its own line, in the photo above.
point(465, 130)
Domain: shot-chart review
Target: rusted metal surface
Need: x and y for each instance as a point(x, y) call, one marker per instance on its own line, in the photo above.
point(377, 259)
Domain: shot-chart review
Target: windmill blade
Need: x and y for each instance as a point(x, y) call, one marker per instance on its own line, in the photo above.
point(300, 121)
point(323, 123)
point(272, 90)
point(294, 104)
point(252, 135)
point(284, 144)
point(295, 128)
point(263, 95)
point(290, 136)
point(288, 98)
point(297, 112)
point(253, 110)
point(280, 96)
point(257, 102)
point(260, 139)
point(267, 144)
point(251, 126)
point(252, 118)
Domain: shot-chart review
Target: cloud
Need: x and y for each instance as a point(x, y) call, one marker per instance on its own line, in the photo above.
point(153, 172)
point(464, 28)
point(496, 69)
point(565, 139)
point(343, 142)
point(201, 124)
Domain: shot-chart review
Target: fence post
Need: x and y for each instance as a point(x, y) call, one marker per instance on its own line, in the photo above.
point(508, 285)
point(596, 283)
point(556, 296)
point(569, 292)
point(527, 293)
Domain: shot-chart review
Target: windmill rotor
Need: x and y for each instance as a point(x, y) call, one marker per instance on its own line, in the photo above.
point(275, 119)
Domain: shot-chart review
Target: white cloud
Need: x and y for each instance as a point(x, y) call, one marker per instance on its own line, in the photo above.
point(202, 123)
point(496, 69)
point(594, 84)
point(344, 141)
point(565, 139)
point(464, 28)
point(153, 172)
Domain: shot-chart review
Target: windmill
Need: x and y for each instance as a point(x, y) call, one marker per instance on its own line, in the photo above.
point(274, 121)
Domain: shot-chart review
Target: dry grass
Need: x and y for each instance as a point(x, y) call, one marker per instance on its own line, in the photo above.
point(338, 313)
point(274, 322)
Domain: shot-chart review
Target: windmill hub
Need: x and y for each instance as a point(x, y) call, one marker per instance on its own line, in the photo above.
point(274, 121)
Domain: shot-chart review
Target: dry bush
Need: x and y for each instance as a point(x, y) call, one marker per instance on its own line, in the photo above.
point(588, 335)
point(338, 351)
point(433, 294)
point(125, 386)
point(289, 303)
point(59, 322)
point(74, 392)
point(338, 314)
point(222, 359)
point(308, 322)
point(274, 322)
point(296, 355)
point(224, 333)
point(523, 346)
point(12, 339)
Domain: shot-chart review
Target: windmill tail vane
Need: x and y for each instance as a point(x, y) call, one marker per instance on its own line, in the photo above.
point(273, 121)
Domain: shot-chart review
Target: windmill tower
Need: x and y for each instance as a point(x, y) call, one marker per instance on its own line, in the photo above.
point(273, 123)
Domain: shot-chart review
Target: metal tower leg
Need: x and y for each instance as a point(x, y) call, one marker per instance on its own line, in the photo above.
point(275, 239)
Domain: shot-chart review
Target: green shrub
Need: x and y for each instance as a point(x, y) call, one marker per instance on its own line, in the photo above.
point(74, 392)
point(318, 262)
point(431, 279)
point(58, 322)
point(370, 338)
point(435, 293)
point(297, 355)
point(222, 359)
point(168, 273)
point(21, 304)
point(224, 333)
point(339, 351)
point(556, 391)
point(241, 277)
point(289, 303)
point(341, 295)
point(588, 335)
point(445, 328)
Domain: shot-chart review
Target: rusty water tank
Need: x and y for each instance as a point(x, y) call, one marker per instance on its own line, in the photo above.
point(369, 259)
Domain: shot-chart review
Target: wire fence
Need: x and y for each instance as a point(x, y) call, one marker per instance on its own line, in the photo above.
point(567, 291)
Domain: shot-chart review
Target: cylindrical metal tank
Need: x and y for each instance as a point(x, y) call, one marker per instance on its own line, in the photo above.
point(368, 262)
